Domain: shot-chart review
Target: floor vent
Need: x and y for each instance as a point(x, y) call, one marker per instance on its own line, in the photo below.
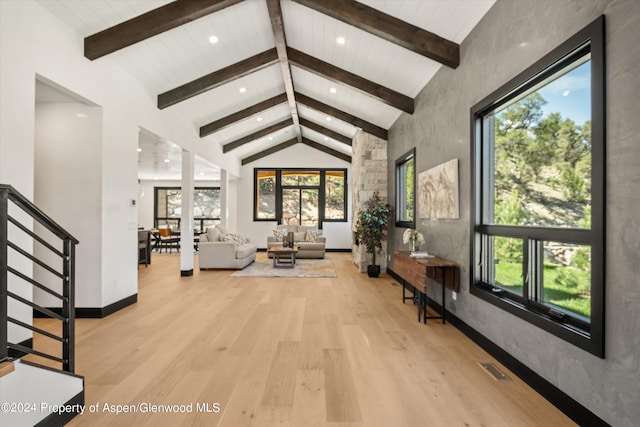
point(495, 372)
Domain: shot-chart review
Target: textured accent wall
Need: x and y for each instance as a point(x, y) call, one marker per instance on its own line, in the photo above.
point(513, 35)
point(369, 172)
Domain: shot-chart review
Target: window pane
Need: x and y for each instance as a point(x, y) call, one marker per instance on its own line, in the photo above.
point(206, 203)
point(309, 207)
point(334, 195)
point(266, 195)
point(567, 277)
point(301, 178)
point(507, 261)
point(291, 205)
point(542, 153)
point(405, 190)
point(174, 203)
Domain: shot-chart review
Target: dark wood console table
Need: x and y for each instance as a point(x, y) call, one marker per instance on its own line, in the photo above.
point(415, 272)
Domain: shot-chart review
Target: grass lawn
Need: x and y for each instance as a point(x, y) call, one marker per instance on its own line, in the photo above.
point(557, 290)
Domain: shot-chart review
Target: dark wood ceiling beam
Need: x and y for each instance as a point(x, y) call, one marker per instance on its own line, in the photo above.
point(338, 75)
point(277, 26)
point(269, 151)
point(324, 131)
point(222, 123)
point(150, 24)
point(256, 135)
point(218, 78)
point(345, 117)
point(389, 28)
point(325, 149)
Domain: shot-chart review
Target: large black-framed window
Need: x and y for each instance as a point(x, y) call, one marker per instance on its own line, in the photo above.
point(406, 190)
point(168, 207)
point(300, 195)
point(538, 220)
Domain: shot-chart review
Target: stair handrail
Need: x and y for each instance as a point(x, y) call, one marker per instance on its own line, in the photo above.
point(67, 314)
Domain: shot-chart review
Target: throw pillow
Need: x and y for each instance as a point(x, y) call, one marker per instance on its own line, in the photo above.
point(311, 236)
point(299, 236)
point(236, 238)
point(279, 234)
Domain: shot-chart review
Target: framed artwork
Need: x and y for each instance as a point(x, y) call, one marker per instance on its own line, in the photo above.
point(438, 192)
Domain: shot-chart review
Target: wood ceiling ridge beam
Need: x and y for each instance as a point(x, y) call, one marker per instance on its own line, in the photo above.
point(325, 149)
point(277, 26)
point(338, 75)
point(269, 151)
point(150, 24)
point(218, 78)
point(325, 131)
point(223, 122)
point(256, 135)
point(389, 28)
point(344, 116)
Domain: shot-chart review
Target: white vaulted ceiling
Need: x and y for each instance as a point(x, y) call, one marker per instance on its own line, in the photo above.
point(183, 54)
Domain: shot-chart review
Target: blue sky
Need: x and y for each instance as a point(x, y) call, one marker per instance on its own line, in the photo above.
point(570, 95)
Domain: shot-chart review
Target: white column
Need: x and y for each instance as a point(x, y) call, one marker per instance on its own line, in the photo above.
point(186, 217)
point(224, 198)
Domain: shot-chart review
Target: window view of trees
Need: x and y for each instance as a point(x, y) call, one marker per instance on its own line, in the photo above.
point(542, 177)
point(405, 190)
point(299, 196)
point(334, 195)
point(206, 207)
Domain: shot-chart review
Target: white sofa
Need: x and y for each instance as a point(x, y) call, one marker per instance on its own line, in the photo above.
point(218, 249)
point(305, 249)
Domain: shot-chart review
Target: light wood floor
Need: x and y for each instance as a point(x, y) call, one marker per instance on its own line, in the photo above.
point(335, 352)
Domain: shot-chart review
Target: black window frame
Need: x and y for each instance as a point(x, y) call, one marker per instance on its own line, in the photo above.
point(410, 155)
point(321, 187)
point(588, 336)
point(176, 221)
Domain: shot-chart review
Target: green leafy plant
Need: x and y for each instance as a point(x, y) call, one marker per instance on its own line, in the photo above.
point(372, 224)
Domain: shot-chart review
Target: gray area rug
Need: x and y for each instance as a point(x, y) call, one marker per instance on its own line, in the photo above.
point(303, 268)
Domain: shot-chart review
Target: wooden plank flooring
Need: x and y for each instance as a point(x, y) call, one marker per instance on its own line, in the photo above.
point(339, 352)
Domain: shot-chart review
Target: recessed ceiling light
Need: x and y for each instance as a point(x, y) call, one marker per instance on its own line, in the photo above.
point(139, 150)
point(270, 138)
point(333, 90)
point(259, 119)
point(341, 40)
point(81, 115)
point(326, 138)
point(566, 93)
point(213, 40)
point(328, 118)
point(167, 160)
point(242, 90)
point(155, 178)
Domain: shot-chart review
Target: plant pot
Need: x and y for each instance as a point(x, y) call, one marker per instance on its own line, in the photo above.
point(373, 270)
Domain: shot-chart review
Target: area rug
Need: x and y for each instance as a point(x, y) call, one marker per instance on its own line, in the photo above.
point(303, 268)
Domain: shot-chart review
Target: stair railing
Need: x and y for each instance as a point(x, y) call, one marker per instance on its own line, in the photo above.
point(9, 273)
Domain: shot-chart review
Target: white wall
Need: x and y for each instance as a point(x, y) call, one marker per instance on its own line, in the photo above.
point(68, 187)
point(338, 234)
point(33, 42)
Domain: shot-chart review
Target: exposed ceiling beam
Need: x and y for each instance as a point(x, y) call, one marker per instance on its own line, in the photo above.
point(150, 24)
point(277, 26)
point(256, 135)
point(325, 149)
point(217, 78)
point(389, 28)
point(338, 75)
point(269, 151)
point(345, 117)
point(324, 131)
point(222, 123)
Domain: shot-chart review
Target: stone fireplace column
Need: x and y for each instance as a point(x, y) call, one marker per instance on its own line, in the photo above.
point(369, 175)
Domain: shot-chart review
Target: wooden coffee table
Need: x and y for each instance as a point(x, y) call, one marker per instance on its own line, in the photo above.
point(283, 257)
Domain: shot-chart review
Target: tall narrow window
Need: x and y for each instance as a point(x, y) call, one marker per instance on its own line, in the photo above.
point(405, 190)
point(335, 207)
point(265, 187)
point(538, 241)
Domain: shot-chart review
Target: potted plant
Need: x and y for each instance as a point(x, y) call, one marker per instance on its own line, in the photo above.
point(371, 229)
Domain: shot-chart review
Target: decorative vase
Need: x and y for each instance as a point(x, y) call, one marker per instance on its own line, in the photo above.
point(413, 245)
